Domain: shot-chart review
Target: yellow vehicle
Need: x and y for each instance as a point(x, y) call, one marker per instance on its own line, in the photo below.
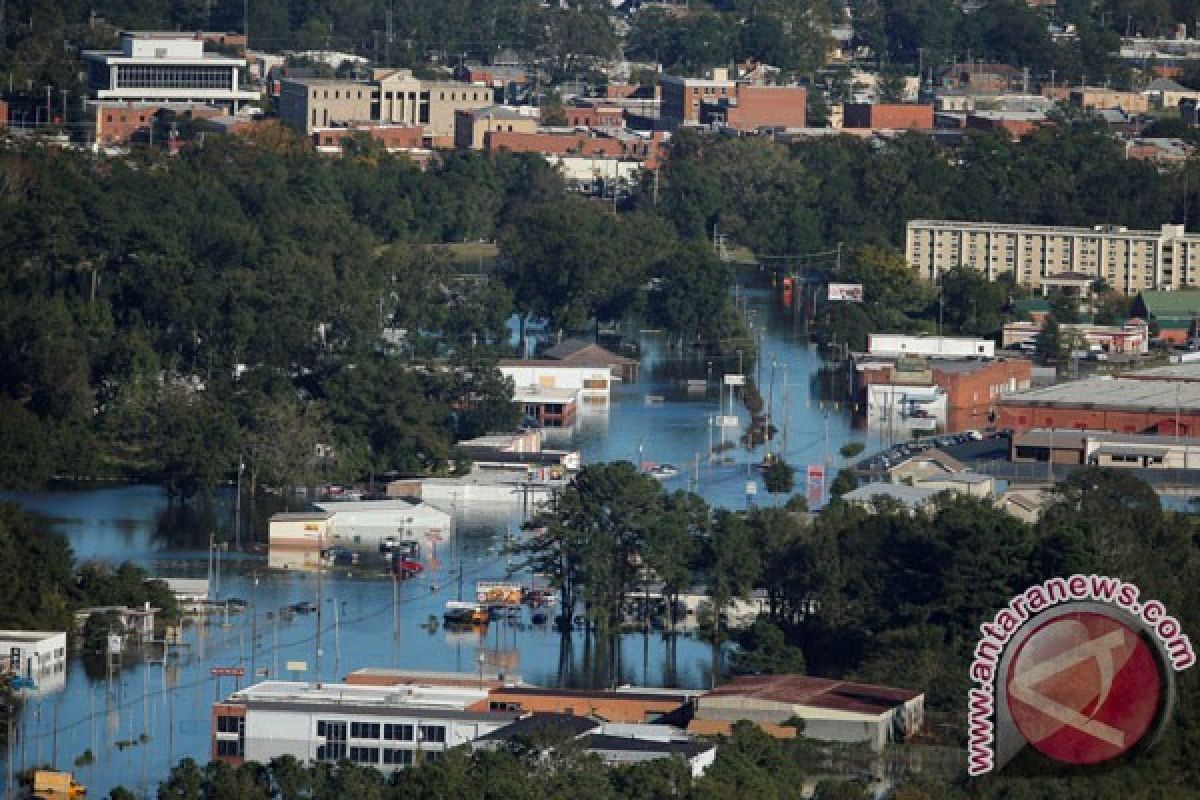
point(56, 785)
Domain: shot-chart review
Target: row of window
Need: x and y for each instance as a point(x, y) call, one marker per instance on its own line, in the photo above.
point(336, 730)
point(230, 724)
point(131, 76)
point(363, 755)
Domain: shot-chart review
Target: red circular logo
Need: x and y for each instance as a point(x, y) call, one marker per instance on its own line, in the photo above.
point(1084, 688)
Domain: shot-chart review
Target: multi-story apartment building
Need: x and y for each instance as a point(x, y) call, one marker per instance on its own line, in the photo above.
point(166, 67)
point(1048, 257)
point(385, 727)
point(392, 97)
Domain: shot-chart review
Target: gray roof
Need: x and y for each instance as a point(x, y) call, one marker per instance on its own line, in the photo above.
point(1113, 393)
point(911, 496)
point(1165, 85)
point(567, 724)
point(688, 748)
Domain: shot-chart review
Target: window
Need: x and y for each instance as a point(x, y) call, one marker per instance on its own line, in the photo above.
point(364, 730)
point(364, 755)
point(335, 751)
point(229, 724)
point(500, 706)
point(229, 747)
point(399, 757)
point(331, 730)
point(433, 733)
point(398, 733)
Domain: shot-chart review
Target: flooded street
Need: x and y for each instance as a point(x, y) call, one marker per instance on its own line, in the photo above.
point(152, 714)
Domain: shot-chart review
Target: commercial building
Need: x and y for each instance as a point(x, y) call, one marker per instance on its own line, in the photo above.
point(939, 471)
point(832, 710)
point(1131, 337)
point(625, 704)
point(595, 114)
point(3, 115)
point(1016, 124)
point(385, 727)
point(393, 97)
point(888, 116)
point(913, 395)
point(895, 345)
point(296, 538)
point(872, 496)
point(166, 67)
point(1091, 98)
point(1059, 258)
point(615, 744)
point(1174, 314)
point(739, 105)
point(596, 152)
point(1106, 449)
point(471, 126)
point(1128, 404)
point(394, 138)
point(33, 654)
point(543, 384)
point(137, 623)
point(118, 124)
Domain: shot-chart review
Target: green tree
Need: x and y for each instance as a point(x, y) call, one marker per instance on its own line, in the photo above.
point(845, 481)
point(779, 477)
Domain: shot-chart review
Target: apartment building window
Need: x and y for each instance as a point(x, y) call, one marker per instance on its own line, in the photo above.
point(364, 730)
point(332, 731)
point(331, 751)
point(398, 757)
point(433, 733)
point(229, 747)
point(230, 724)
point(364, 755)
point(398, 733)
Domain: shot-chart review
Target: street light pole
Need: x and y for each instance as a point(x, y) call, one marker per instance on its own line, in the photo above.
point(237, 507)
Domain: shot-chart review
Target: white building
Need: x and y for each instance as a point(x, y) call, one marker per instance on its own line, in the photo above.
point(906, 411)
point(899, 344)
point(166, 67)
point(593, 383)
point(385, 727)
point(366, 523)
point(32, 654)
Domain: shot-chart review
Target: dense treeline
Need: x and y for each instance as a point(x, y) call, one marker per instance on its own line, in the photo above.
point(892, 597)
point(162, 318)
point(541, 766)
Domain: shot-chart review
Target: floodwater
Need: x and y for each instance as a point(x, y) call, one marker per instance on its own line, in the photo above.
point(148, 715)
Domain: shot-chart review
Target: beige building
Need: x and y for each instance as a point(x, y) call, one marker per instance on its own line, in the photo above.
point(391, 97)
point(471, 126)
point(307, 104)
point(1091, 98)
point(1045, 257)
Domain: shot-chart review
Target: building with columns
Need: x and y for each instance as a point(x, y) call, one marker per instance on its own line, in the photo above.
point(166, 67)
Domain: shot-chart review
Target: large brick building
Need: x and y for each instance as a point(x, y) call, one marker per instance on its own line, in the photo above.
point(888, 116)
point(741, 105)
point(1136, 403)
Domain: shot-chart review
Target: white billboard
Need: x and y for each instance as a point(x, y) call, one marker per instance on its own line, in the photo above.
point(846, 292)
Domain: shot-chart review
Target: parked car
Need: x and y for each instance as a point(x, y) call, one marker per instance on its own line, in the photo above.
point(303, 607)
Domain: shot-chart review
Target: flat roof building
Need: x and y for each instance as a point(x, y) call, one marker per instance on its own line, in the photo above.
point(1128, 404)
point(832, 710)
point(31, 654)
point(166, 67)
point(1057, 258)
point(384, 727)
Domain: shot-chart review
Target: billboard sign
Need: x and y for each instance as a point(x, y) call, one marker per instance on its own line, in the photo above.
point(228, 672)
point(498, 593)
point(846, 292)
point(735, 380)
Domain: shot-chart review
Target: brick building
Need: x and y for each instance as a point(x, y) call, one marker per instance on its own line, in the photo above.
point(1090, 98)
point(118, 124)
point(595, 115)
point(1016, 124)
point(1130, 404)
point(392, 137)
point(648, 150)
point(471, 126)
point(742, 105)
point(888, 116)
point(755, 107)
point(3, 114)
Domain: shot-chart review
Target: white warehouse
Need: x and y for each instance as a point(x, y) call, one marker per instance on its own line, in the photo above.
point(900, 344)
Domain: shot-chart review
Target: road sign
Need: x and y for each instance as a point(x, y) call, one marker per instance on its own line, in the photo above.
point(228, 672)
point(735, 380)
point(751, 487)
point(262, 672)
point(297, 666)
point(727, 422)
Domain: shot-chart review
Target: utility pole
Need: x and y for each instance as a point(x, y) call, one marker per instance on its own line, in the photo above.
point(49, 109)
point(254, 626)
point(62, 92)
point(237, 507)
point(246, 23)
point(317, 645)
